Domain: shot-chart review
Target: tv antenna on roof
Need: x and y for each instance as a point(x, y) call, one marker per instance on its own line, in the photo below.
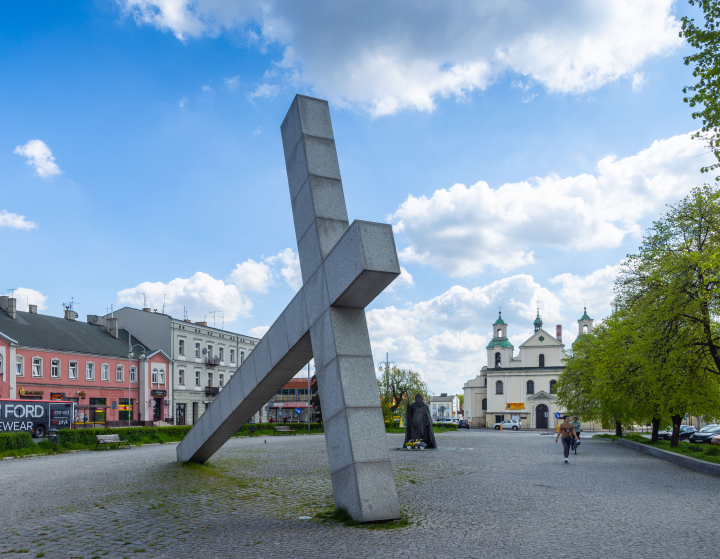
point(71, 305)
point(12, 291)
point(214, 313)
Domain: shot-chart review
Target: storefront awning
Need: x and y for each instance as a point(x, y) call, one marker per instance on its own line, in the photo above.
point(289, 405)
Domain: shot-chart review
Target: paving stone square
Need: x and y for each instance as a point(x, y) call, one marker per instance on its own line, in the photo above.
point(481, 494)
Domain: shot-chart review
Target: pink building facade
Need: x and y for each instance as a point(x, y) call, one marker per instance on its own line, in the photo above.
point(45, 357)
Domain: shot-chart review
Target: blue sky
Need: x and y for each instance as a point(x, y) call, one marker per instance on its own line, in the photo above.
point(519, 150)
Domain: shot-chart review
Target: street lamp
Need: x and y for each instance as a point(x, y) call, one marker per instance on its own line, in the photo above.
point(130, 357)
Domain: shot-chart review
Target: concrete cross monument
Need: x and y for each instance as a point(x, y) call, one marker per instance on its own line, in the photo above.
point(344, 267)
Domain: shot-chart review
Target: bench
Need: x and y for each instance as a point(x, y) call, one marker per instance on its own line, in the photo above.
point(110, 439)
point(283, 429)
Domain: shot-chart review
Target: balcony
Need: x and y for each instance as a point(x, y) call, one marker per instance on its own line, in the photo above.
point(212, 391)
point(212, 361)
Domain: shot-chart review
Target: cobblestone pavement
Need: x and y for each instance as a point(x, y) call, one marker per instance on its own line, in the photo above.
point(483, 494)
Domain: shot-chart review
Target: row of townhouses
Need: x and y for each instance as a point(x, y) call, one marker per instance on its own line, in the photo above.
point(130, 367)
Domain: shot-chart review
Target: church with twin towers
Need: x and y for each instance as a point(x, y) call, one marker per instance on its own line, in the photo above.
point(521, 386)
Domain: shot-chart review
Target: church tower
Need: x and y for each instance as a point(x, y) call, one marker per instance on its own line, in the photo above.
point(500, 350)
point(538, 321)
point(585, 324)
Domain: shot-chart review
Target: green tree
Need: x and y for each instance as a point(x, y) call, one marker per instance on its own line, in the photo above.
point(703, 96)
point(397, 386)
point(657, 356)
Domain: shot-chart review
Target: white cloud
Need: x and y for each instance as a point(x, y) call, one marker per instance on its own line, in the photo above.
point(15, 221)
point(258, 331)
point(26, 296)
point(638, 80)
point(232, 83)
point(594, 291)
point(252, 276)
point(258, 131)
point(464, 230)
point(200, 294)
point(40, 156)
point(264, 90)
point(206, 88)
point(391, 58)
point(181, 102)
point(445, 338)
point(290, 267)
point(405, 279)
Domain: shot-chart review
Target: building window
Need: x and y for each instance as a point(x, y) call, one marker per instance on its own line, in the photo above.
point(585, 329)
point(181, 347)
point(181, 377)
point(197, 349)
point(36, 367)
point(499, 387)
point(499, 333)
point(119, 373)
point(197, 378)
point(161, 379)
point(541, 360)
point(232, 356)
point(530, 387)
point(210, 351)
point(133, 374)
point(242, 357)
point(19, 366)
point(54, 368)
point(90, 371)
point(221, 380)
point(154, 376)
point(210, 379)
point(302, 394)
point(552, 386)
point(484, 404)
point(73, 370)
point(104, 371)
point(222, 353)
point(497, 359)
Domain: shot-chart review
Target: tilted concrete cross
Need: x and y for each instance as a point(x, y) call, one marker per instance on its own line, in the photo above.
point(344, 267)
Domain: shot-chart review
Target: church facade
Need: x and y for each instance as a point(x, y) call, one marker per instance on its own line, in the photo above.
point(518, 386)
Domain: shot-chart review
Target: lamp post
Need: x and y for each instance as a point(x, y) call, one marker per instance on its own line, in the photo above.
point(131, 355)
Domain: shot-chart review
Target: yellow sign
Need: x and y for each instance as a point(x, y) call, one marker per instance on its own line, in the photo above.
point(24, 392)
point(519, 406)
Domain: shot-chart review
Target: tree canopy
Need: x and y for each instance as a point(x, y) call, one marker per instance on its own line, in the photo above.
point(397, 386)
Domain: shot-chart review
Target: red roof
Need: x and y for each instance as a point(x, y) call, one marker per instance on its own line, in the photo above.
point(297, 383)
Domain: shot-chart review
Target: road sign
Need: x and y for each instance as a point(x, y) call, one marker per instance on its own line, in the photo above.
point(298, 411)
point(557, 415)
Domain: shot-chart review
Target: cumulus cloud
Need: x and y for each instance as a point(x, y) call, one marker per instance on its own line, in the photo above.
point(40, 156)
point(595, 290)
point(385, 58)
point(182, 102)
point(200, 294)
point(445, 337)
point(259, 331)
point(252, 276)
point(264, 90)
point(206, 88)
point(26, 296)
point(638, 80)
point(232, 83)
point(15, 221)
point(464, 230)
point(289, 263)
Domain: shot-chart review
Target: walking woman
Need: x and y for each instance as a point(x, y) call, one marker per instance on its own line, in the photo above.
point(567, 432)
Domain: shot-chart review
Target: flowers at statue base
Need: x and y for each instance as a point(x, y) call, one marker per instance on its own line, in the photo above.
point(416, 443)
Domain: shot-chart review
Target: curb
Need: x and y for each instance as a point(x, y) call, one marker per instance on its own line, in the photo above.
point(679, 459)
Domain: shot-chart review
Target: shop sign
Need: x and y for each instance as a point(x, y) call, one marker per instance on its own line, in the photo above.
point(24, 392)
point(57, 395)
point(158, 393)
point(515, 406)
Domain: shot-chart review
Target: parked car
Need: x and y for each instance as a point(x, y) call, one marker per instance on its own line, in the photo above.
point(513, 424)
point(705, 434)
point(685, 432)
point(445, 421)
point(463, 424)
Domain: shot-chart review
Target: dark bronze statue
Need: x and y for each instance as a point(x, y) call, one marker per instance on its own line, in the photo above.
point(418, 425)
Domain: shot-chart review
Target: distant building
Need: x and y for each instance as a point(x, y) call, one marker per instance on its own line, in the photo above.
point(519, 387)
point(204, 357)
point(45, 357)
point(445, 407)
point(293, 396)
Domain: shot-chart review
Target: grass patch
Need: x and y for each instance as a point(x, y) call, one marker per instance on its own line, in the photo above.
point(342, 516)
point(706, 452)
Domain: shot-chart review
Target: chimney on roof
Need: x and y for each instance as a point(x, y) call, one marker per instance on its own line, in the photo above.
point(558, 333)
point(201, 323)
point(443, 394)
point(70, 314)
point(111, 325)
point(188, 320)
point(4, 302)
point(32, 309)
point(12, 307)
point(146, 309)
point(96, 320)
